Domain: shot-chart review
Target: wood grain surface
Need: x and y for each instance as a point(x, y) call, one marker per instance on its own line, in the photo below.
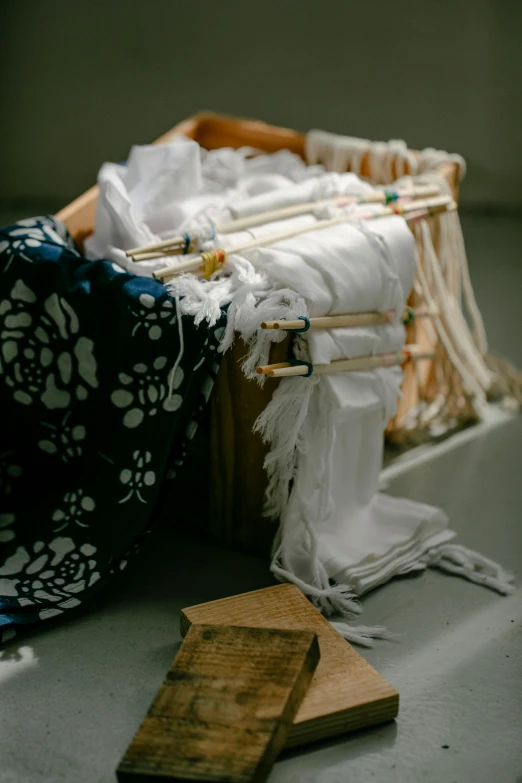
point(346, 692)
point(225, 707)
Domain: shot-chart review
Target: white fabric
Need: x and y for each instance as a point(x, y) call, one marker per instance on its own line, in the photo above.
point(165, 189)
point(363, 537)
point(386, 160)
point(339, 537)
point(317, 189)
point(360, 538)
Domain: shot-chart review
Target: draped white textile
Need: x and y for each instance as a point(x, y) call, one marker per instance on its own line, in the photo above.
point(164, 189)
point(335, 524)
point(339, 537)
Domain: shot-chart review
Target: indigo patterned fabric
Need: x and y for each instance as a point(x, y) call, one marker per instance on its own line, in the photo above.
point(89, 426)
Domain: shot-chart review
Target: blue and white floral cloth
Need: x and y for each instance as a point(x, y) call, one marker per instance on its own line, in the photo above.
point(89, 425)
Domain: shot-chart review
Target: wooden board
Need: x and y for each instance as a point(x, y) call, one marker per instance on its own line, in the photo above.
point(346, 692)
point(225, 708)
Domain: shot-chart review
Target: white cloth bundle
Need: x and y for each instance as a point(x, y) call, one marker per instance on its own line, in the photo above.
point(335, 526)
point(164, 189)
point(339, 537)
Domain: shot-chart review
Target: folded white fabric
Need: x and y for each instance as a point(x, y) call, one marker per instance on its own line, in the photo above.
point(361, 538)
point(336, 528)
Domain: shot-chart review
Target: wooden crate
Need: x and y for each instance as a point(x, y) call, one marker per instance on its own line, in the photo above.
point(237, 478)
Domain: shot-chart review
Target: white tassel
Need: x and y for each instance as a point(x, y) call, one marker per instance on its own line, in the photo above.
point(361, 634)
point(335, 599)
point(452, 315)
point(457, 559)
point(203, 301)
point(446, 336)
point(280, 425)
point(459, 251)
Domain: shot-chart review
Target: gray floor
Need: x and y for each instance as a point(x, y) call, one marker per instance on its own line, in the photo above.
point(72, 696)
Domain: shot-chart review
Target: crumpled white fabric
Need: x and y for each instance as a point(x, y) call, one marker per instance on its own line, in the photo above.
point(165, 189)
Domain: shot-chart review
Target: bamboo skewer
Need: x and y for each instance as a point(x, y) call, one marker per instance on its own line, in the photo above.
point(175, 244)
point(212, 262)
point(149, 255)
point(351, 319)
point(288, 369)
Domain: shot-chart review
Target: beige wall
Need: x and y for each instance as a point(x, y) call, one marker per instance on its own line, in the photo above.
point(81, 81)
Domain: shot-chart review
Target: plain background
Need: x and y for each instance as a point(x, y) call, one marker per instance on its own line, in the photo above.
point(81, 81)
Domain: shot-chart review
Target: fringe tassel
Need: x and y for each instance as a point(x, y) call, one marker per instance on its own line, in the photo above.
point(361, 634)
point(280, 425)
point(457, 559)
point(202, 302)
point(446, 336)
point(203, 299)
point(334, 599)
point(459, 254)
point(457, 326)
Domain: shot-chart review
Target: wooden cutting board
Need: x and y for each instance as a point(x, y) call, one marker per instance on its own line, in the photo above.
point(225, 708)
point(346, 692)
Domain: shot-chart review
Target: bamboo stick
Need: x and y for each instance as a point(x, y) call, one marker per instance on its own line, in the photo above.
point(419, 208)
point(176, 243)
point(374, 197)
point(286, 369)
point(333, 321)
point(148, 256)
point(350, 319)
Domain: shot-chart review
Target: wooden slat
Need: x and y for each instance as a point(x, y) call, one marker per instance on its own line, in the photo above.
point(225, 708)
point(346, 692)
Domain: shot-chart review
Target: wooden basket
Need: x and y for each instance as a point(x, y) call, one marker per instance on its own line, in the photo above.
point(237, 478)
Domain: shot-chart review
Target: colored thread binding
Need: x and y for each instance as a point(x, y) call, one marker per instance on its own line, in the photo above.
point(390, 196)
point(188, 242)
point(408, 316)
point(306, 326)
point(302, 363)
point(213, 260)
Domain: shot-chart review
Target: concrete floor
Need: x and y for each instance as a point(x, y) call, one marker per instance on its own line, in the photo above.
point(72, 696)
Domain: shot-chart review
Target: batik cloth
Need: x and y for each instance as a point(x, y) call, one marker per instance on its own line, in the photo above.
point(91, 419)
